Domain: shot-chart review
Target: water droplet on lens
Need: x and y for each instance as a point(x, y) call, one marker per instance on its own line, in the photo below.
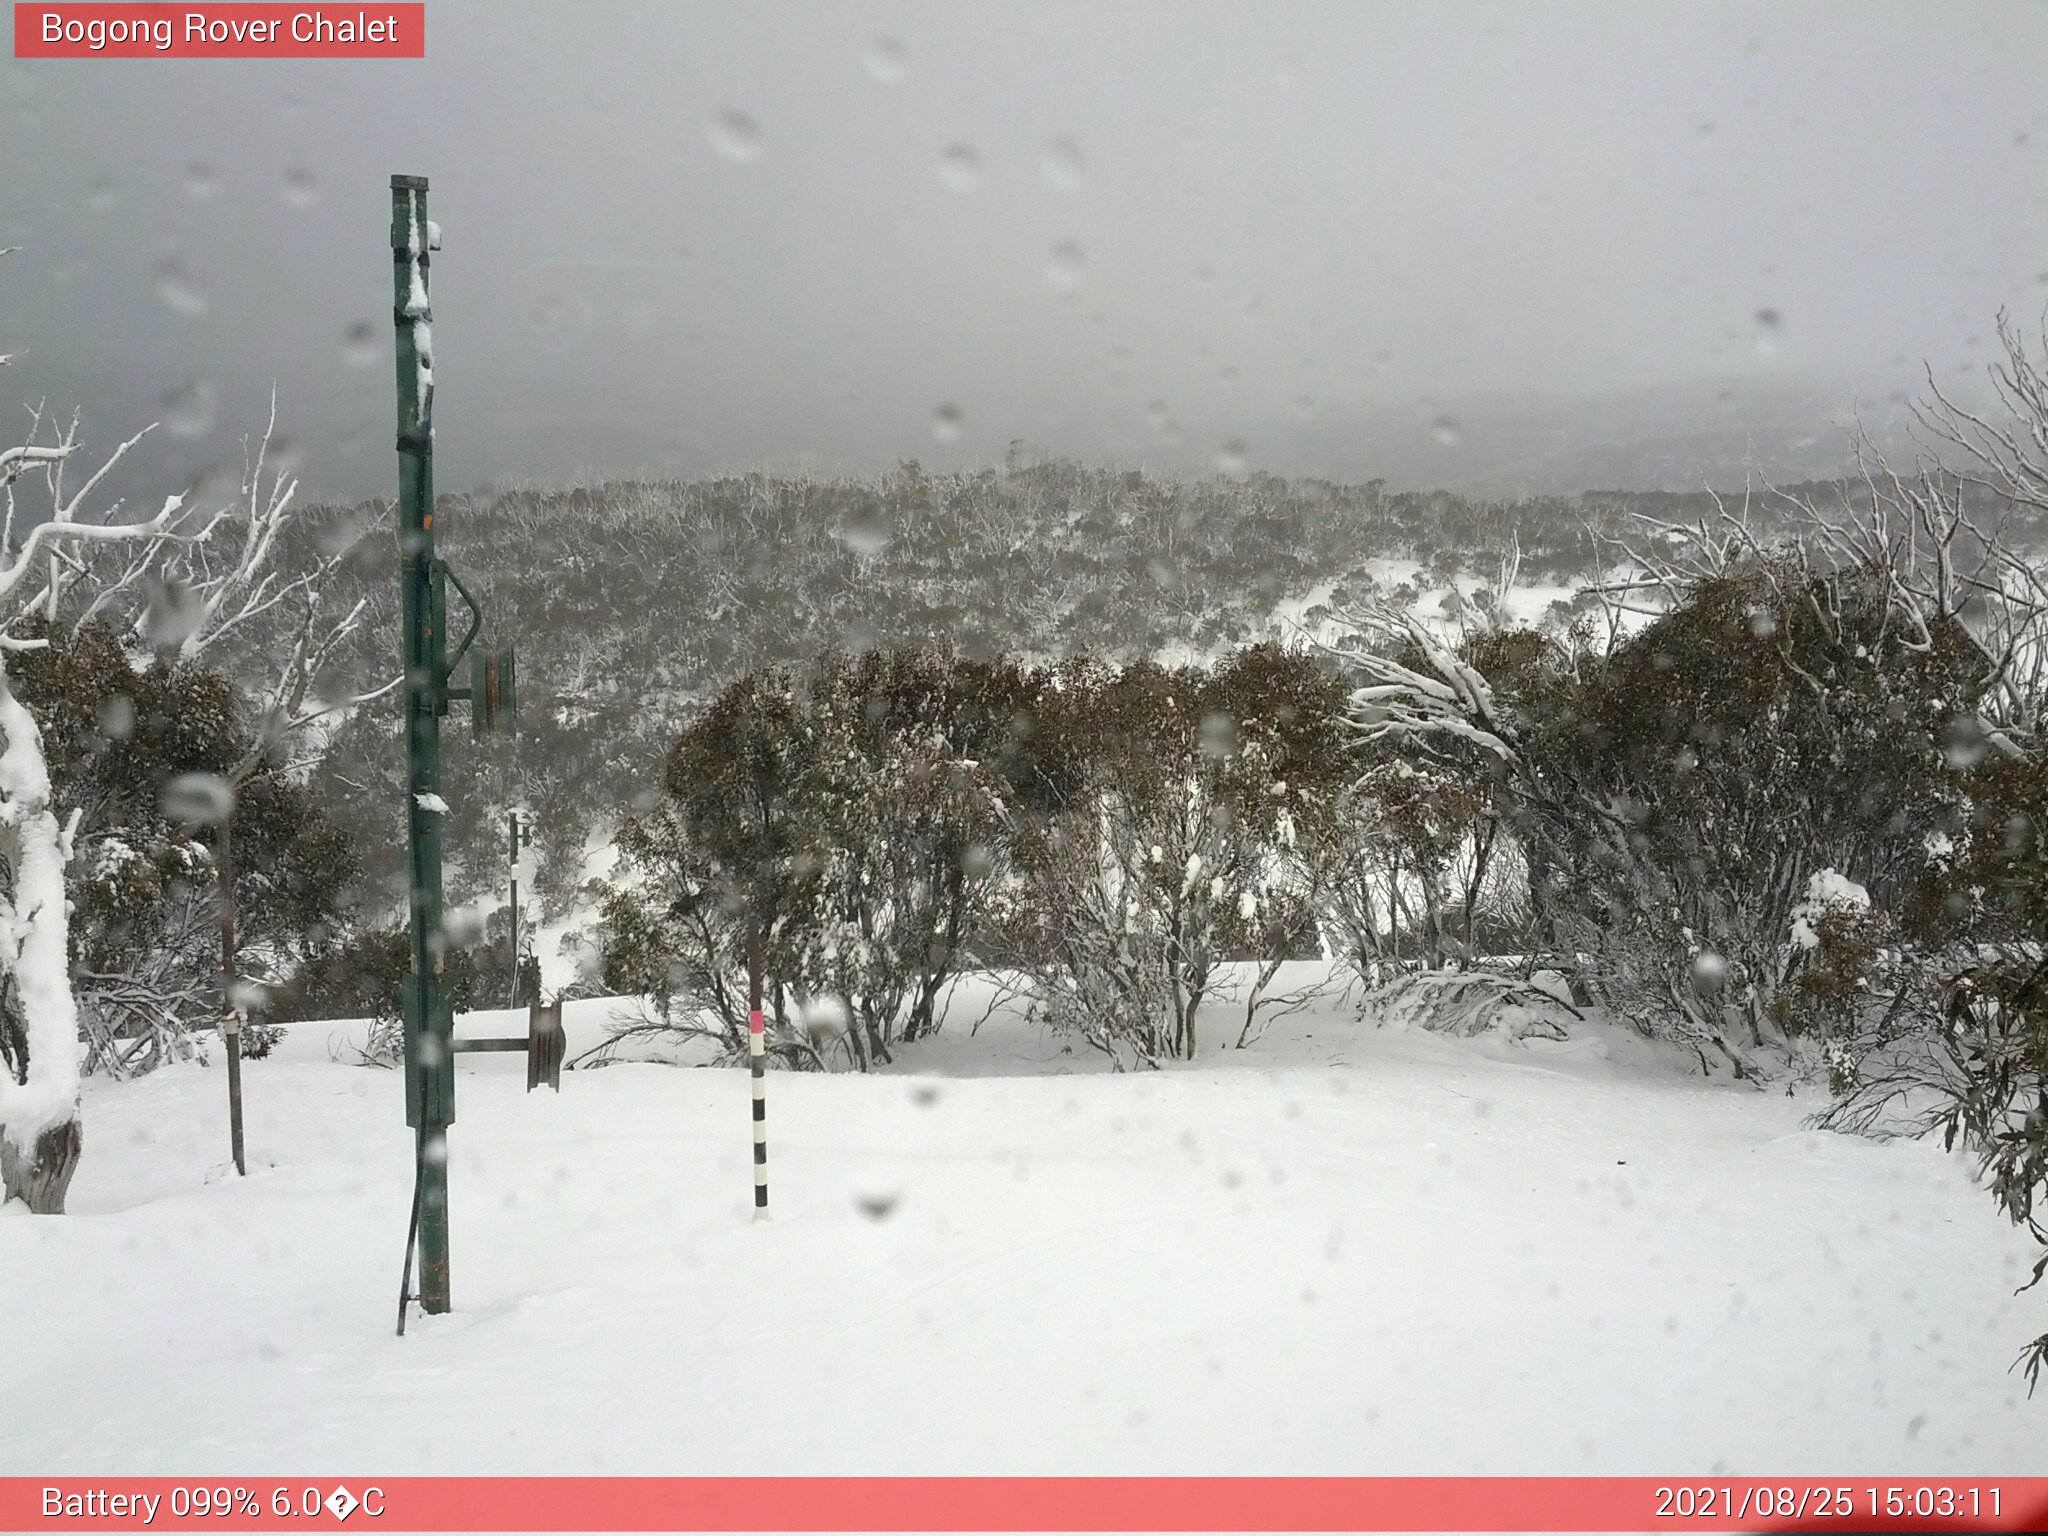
point(1063, 266)
point(188, 410)
point(736, 136)
point(960, 167)
point(300, 190)
point(101, 194)
point(115, 717)
point(1232, 457)
point(198, 800)
point(1768, 323)
point(558, 318)
point(200, 182)
point(359, 345)
point(1063, 164)
point(215, 480)
point(177, 289)
point(1445, 430)
point(170, 614)
point(866, 530)
point(887, 60)
point(946, 423)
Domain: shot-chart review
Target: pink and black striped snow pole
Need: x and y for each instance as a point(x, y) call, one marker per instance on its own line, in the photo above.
point(757, 1051)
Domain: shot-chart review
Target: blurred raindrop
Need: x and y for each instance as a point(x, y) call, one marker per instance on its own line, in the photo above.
point(100, 196)
point(176, 288)
point(1445, 430)
point(876, 1207)
point(200, 181)
point(1768, 324)
point(558, 318)
point(1064, 265)
point(300, 189)
point(960, 167)
point(170, 614)
point(198, 800)
point(462, 928)
point(188, 410)
point(214, 480)
point(1063, 164)
point(1219, 734)
point(115, 717)
point(736, 136)
point(947, 421)
point(887, 60)
point(359, 345)
point(1232, 457)
point(1965, 742)
point(866, 529)
point(825, 1019)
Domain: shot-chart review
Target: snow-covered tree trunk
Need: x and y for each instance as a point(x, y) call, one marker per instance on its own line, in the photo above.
point(40, 1135)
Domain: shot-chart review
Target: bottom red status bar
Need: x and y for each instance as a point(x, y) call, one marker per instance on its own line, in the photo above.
point(1027, 1504)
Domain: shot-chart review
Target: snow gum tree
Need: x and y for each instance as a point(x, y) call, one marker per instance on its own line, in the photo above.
point(1778, 723)
point(1198, 832)
point(1792, 705)
point(841, 827)
point(136, 747)
point(75, 543)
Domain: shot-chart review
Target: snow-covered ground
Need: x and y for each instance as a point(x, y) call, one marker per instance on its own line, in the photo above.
point(1345, 1249)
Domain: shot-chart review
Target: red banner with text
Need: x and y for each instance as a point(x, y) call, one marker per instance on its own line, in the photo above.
point(262, 31)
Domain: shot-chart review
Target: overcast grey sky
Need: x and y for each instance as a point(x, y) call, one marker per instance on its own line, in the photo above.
point(1172, 225)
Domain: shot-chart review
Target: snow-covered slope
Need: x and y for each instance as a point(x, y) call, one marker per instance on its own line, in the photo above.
point(1343, 1249)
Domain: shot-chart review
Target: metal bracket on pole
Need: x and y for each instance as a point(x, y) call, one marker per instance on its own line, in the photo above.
point(545, 1043)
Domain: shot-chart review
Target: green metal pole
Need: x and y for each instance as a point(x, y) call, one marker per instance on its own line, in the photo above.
point(425, 699)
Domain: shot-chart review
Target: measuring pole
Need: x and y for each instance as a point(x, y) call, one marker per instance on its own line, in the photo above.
point(425, 685)
point(757, 1060)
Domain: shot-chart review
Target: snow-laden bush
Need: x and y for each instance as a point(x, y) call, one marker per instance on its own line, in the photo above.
point(830, 838)
point(1202, 827)
point(1477, 1002)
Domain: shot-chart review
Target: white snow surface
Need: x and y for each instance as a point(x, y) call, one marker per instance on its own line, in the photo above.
point(1344, 1249)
